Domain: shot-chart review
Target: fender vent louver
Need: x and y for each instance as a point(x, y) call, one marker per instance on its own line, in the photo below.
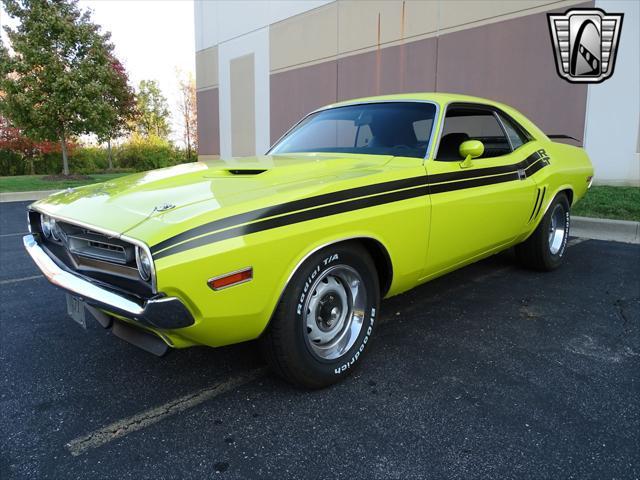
point(538, 203)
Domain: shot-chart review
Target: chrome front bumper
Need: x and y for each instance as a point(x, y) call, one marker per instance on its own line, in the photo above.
point(163, 312)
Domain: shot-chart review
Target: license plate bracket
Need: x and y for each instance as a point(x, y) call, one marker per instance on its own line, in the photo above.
point(76, 310)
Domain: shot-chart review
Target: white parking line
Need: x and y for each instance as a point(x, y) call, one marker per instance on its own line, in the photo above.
point(17, 280)
point(149, 417)
point(12, 234)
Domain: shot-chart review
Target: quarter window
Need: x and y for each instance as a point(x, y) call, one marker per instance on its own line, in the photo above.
point(515, 134)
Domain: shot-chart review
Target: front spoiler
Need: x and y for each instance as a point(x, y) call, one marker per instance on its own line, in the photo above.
point(163, 312)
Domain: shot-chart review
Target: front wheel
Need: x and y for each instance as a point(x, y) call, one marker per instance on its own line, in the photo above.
point(325, 318)
point(545, 248)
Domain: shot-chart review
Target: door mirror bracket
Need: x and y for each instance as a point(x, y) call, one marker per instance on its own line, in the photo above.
point(470, 149)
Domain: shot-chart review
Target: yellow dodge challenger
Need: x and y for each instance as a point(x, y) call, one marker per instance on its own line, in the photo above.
point(359, 201)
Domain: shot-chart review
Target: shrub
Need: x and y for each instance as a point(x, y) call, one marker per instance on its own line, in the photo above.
point(148, 153)
point(89, 160)
point(138, 153)
point(12, 164)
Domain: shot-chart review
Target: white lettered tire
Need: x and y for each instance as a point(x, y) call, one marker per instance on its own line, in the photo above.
point(544, 250)
point(325, 319)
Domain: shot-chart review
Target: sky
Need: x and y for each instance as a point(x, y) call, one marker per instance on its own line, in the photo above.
point(152, 39)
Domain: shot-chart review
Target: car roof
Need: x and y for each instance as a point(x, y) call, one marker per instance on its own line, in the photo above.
point(436, 97)
point(442, 99)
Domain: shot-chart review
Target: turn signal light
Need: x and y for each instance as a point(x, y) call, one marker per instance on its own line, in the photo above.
point(231, 279)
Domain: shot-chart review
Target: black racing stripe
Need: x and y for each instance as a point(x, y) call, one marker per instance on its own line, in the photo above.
point(483, 172)
point(536, 166)
point(289, 207)
point(339, 196)
point(291, 213)
point(297, 217)
point(534, 205)
point(474, 182)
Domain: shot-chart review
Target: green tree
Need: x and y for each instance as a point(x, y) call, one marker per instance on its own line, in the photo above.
point(153, 118)
point(60, 78)
point(118, 118)
point(187, 107)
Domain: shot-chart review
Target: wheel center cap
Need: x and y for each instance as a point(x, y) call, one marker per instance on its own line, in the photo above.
point(329, 312)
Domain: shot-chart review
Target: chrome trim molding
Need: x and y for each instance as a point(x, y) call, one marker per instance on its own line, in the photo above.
point(561, 189)
point(165, 312)
point(320, 247)
point(504, 130)
point(329, 107)
point(107, 233)
point(246, 269)
point(496, 110)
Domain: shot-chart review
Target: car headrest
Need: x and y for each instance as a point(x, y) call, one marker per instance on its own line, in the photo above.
point(450, 145)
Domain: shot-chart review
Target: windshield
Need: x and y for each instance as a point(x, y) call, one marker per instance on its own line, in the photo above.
point(399, 129)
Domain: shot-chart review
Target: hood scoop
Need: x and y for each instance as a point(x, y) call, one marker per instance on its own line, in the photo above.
point(235, 172)
point(245, 171)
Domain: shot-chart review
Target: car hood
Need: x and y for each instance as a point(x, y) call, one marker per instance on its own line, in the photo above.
point(162, 200)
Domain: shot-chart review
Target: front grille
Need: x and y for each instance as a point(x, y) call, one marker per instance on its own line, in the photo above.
point(108, 260)
point(88, 244)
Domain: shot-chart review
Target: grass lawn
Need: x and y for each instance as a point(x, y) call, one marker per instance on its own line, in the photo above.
point(26, 183)
point(621, 203)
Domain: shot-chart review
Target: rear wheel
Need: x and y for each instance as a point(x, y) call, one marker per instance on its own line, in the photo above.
point(545, 248)
point(325, 318)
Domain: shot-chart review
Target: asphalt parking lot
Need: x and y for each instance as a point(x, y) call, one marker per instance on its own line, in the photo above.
point(489, 372)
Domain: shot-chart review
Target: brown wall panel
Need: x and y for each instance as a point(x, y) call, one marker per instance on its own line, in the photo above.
point(208, 122)
point(399, 69)
point(512, 62)
point(295, 93)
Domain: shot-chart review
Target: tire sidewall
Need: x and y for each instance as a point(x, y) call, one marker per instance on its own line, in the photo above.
point(554, 260)
point(322, 370)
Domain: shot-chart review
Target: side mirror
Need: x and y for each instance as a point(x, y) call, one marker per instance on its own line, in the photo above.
point(470, 149)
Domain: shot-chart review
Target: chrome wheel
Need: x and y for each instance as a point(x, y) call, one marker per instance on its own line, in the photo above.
point(557, 229)
point(334, 312)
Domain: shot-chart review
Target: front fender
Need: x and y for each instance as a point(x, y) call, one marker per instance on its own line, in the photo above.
point(242, 312)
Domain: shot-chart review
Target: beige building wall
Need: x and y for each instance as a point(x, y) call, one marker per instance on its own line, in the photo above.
point(208, 103)
point(243, 131)
point(388, 46)
point(352, 48)
point(207, 68)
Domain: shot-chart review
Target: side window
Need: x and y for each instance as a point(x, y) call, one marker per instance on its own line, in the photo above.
point(515, 134)
point(468, 123)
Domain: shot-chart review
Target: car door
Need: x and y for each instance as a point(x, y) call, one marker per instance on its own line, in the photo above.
point(477, 206)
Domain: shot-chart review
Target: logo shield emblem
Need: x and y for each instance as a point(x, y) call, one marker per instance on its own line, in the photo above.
point(585, 43)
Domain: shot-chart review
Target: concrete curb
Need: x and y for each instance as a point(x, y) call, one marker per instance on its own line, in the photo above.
point(24, 196)
point(606, 229)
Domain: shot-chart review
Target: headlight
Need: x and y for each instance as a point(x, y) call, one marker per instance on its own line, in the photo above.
point(55, 229)
point(144, 263)
point(45, 223)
